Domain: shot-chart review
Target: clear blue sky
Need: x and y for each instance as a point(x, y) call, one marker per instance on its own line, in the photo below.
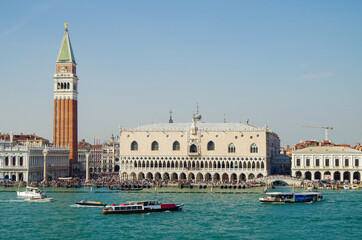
point(280, 63)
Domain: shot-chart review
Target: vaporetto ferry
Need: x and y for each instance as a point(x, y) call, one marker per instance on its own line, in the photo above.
point(141, 207)
point(291, 197)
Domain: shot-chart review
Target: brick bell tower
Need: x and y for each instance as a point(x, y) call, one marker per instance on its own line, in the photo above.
point(65, 130)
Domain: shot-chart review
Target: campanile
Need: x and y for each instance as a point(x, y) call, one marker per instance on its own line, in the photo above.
point(65, 130)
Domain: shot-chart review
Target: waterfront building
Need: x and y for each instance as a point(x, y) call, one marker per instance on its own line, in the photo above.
point(109, 155)
point(327, 162)
point(27, 139)
point(26, 163)
point(65, 130)
point(95, 155)
point(281, 164)
point(197, 151)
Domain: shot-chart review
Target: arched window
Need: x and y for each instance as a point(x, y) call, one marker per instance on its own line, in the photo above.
point(154, 146)
point(210, 146)
point(193, 148)
point(134, 146)
point(231, 148)
point(176, 146)
point(253, 148)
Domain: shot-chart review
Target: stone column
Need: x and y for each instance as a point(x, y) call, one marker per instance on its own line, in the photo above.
point(45, 153)
point(87, 153)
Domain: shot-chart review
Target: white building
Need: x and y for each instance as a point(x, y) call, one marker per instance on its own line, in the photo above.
point(197, 150)
point(26, 163)
point(110, 153)
point(327, 162)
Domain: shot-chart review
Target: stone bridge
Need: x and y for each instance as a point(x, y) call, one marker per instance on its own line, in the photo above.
point(287, 179)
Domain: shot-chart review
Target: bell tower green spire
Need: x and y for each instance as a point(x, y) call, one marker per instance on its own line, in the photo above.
point(66, 51)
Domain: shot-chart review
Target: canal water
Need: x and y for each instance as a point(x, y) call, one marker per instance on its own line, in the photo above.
point(205, 216)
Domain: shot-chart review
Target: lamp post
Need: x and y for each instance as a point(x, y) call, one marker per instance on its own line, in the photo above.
point(45, 153)
point(87, 153)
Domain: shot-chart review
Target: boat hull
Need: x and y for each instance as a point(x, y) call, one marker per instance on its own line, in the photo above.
point(90, 204)
point(173, 209)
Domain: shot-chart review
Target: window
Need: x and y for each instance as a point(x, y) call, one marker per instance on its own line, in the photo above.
point(346, 162)
point(356, 163)
point(298, 162)
point(134, 146)
point(231, 148)
point(317, 162)
point(21, 161)
point(253, 148)
point(193, 148)
point(337, 162)
point(307, 162)
point(154, 146)
point(6, 161)
point(327, 163)
point(14, 161)
point(176, 146)
point(210, 146)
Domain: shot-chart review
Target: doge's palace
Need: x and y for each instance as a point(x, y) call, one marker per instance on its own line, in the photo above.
point(196, 151)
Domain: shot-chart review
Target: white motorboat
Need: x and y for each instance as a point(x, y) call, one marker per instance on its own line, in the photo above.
point(354, 187)
point(30, 192)
point(42, 198)
point(346, 187)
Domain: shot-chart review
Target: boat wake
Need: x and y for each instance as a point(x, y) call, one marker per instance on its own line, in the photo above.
point(13, 200)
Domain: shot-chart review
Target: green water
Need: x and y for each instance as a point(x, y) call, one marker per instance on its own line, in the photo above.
point(205, 216)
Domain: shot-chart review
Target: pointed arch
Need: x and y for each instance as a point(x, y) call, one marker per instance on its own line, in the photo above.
point(193, 148)
point(176, 146)
point(253, 148)
point(231, 148)
point(210, 146)
point(134, 146)
point(154, 146)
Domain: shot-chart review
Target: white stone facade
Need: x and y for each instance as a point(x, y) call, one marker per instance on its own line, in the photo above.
point(196, 151)
point(109, 155)
point(26, 163)
point(327, 162)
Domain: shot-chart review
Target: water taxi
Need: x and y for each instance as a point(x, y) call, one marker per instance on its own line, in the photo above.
point(30, 192)
point(291, 197)
point(91, 204)
point(141, 207)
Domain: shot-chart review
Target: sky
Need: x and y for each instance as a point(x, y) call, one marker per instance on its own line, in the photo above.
point(279, 63)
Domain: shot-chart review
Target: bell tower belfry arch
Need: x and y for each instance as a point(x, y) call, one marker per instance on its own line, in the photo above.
point(65, 125)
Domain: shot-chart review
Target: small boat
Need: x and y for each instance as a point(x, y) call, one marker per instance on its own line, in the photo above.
point(141, 207)
point(91, 204)
point(291, 197)
point(346, 187)
point(42, 198)
point(354, 187)
point(30, 192)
